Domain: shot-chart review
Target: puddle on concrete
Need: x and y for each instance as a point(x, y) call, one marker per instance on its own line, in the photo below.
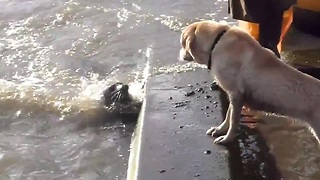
point(249, 155)
point(295, 149)
point(250, 158)
point(274, 148)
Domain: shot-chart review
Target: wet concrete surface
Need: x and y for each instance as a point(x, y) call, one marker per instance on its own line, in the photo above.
point(295, 149)
point(174, 144)
point(250, 158)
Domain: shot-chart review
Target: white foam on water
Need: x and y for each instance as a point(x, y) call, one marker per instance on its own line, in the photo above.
point(137, 88)
point(177, 68)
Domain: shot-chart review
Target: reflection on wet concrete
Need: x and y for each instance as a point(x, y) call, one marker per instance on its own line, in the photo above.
point(250, 158)
point(294, 147)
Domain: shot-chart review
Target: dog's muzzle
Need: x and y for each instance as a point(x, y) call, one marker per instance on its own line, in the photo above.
point(185, 56)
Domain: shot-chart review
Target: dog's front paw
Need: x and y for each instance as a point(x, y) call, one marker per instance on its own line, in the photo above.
point(211, 130)
point(216, 131)
point(223, 139)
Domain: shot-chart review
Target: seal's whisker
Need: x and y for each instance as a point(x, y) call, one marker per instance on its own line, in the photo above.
point(114, 95)
point(120, 95)
point(114, 92)
point(117, 98)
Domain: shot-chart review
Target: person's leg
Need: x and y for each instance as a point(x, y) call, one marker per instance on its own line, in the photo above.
point(251, 28)
point(287, 21)
point(270, 32)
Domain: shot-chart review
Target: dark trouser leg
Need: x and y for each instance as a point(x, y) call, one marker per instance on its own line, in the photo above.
point(270, 31)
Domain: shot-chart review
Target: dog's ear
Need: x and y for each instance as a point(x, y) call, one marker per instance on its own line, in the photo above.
point(192, 47)
point(188, 39)
point(190, 44)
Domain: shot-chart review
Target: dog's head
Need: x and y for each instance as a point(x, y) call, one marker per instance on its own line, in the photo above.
point(117, 94)
point(197, 39)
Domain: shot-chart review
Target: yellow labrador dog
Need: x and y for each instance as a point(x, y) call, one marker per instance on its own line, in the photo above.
point(251, 75)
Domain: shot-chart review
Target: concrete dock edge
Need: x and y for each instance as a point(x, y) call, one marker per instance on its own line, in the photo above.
point(170, 140)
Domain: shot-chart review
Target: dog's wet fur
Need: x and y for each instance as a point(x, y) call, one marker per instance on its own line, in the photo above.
point(252, 76)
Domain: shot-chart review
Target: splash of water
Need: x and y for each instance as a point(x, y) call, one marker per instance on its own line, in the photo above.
point(40, 79)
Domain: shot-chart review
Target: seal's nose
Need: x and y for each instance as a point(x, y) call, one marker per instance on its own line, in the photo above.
point(125, 88)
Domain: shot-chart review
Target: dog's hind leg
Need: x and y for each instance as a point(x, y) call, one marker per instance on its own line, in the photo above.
point(222, 128)
point(236, 104)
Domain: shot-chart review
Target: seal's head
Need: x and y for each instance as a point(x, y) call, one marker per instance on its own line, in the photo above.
point(117, 94)
point(120, 102)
